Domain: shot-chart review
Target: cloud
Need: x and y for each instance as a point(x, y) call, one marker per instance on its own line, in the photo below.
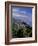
point(18, 10)
point(22, 15)
point(15, 9)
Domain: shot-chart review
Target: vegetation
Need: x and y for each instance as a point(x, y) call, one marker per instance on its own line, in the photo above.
point(21, 30)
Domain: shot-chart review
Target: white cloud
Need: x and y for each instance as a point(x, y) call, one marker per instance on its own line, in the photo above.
point(15, 9)
point(22, 15)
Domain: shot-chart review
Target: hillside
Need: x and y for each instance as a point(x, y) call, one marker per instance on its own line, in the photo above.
point(21, 29)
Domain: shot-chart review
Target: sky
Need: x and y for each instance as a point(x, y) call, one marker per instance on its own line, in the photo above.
point(23, 13)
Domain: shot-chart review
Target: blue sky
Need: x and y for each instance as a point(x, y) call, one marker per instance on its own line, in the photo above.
point(23, 13)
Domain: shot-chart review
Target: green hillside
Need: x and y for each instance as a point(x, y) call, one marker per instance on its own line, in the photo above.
point(21, 30)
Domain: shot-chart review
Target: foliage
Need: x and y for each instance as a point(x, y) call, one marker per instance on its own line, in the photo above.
point(20, 30)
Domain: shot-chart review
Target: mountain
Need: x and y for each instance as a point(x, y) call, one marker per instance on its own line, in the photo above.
point(18, 21)
point(21, 29)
